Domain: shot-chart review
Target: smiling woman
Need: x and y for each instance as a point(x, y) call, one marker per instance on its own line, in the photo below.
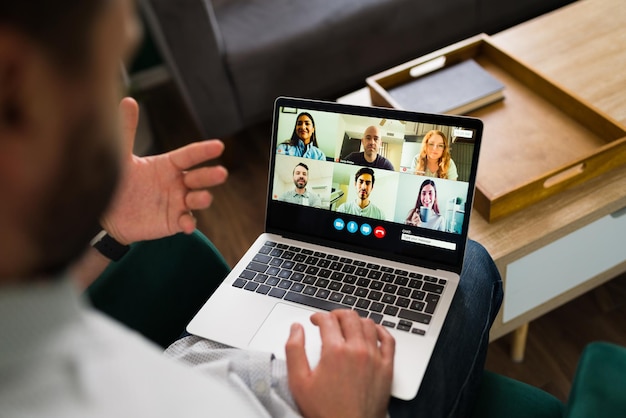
point(303, 141)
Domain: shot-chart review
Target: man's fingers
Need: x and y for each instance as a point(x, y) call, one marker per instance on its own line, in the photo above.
point(350, 323)
point(187, 223)
point(387, 344)
point(129, 116)
point(298, 367)
point(204, 177)
point(330, 330)
point(196, 153)
point(197, 200)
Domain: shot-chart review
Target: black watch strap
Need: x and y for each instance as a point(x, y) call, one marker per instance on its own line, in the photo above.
point(108, 246)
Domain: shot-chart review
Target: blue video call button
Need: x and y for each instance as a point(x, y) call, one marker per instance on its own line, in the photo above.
point(366, 229)
point(353, 227)
point(339, 224)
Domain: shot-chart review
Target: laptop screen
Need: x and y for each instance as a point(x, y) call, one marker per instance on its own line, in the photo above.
point(384, 182)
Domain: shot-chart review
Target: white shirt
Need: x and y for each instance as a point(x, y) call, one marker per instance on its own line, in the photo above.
point(60, 358)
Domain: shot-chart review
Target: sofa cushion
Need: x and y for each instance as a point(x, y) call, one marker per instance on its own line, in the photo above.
point(316, 48)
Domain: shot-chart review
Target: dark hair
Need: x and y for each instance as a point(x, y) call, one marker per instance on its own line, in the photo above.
point(63, 28)
point(293, 141)
point(300, 165)
point(365, 170)
point(418, 202)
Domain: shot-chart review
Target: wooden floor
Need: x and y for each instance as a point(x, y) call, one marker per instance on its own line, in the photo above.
point(236, 218)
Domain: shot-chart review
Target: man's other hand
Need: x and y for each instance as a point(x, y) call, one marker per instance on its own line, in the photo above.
point(156, 194)
point(354, 374)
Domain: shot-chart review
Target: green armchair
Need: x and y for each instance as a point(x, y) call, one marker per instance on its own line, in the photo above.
point(159, 285)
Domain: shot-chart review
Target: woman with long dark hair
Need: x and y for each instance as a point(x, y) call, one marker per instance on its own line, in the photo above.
point(303, 141)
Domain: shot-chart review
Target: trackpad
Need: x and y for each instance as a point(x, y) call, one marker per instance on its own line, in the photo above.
point(274, 332)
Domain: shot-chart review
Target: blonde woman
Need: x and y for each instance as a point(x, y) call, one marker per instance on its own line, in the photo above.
point(434, 158)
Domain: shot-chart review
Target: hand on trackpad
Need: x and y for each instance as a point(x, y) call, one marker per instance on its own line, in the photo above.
point(274, 332)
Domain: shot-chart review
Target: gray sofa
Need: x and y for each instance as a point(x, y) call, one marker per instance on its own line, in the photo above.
point(231, 58)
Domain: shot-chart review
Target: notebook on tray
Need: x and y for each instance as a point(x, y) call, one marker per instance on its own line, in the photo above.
point(339, 234)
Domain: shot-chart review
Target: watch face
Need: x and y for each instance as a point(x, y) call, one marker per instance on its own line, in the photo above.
point(109, 247)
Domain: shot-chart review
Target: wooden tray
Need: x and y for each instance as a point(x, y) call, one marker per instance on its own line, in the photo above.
point(538, 141)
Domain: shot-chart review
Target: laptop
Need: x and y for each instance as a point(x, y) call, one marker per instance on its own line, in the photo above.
point(387, 242)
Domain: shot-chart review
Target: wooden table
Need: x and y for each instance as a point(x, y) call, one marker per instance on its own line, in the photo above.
point(557, 249)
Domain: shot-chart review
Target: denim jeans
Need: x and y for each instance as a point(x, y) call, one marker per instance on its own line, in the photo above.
point(453, 375)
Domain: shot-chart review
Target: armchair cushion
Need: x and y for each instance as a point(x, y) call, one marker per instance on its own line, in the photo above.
point(158, 286)
point(599, 387)
point(501, 396)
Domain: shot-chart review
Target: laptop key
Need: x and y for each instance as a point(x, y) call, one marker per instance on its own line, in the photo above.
point(334, 286)
point(361, 292)
point(260, 258)
point(402, 327)
point(363, 303)
point(431, 287)
point(258, 267)
point(261, 278)
point(276, 262)
point(272, 281)
point(349, 300)
point(391, 310)
point(361, 312)
point(324, 273)
point(285, 284)
point(276, 252)
point(297, 287)
point(376, 285)
point(348, 289)
point(388, 324)
point(240, 283)
point(247, 274)
point(309, 290)
point(336, 296)
point(377, 306)
point(270, 243)
point(277, 293)
point(263, 289)
point(251, 286)
point(414, 316)
point(272, 271)
point(376, 317)
point(288, 264)
point(323, 304)
point(266, 249)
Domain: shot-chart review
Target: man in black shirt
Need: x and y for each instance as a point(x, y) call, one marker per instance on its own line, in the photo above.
point(369, 157)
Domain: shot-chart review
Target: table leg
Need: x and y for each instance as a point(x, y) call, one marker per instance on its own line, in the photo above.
point(519, 343)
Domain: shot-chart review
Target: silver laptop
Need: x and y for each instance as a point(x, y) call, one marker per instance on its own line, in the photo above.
point(386, 242)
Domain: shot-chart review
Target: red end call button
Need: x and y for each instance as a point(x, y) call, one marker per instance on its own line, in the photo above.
point(379, 232)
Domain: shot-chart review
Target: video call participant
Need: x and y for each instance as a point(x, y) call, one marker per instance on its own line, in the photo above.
point(300, 194)
point(369, 157)
point(426, 214)
point(434, 159)
point(303, 141)
point(362, 206)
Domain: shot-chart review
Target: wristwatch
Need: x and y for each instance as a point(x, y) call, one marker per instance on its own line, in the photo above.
point(108, 246)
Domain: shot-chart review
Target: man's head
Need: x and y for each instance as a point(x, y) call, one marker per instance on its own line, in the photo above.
point(371, 143)
point(364, 182)
point(59, 140)
point(301, 176)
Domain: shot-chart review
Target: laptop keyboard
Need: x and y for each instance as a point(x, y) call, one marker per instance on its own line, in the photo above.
point(392, 297)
